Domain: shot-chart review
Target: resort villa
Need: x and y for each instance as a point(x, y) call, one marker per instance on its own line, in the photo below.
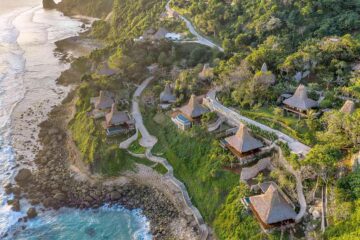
point(189, 114)
point(300, 103)
point(167, 97)
point(118, 122)
point(348, 107)
point(272, 208)
point(102, 104)
point(242, 143)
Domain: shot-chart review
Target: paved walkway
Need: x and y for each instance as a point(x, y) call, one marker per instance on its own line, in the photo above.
point(295, 146)
point(200, 39)
point(299, 186)
point(148, 141)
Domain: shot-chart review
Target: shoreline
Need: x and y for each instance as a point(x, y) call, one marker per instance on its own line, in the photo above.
point(64, 184)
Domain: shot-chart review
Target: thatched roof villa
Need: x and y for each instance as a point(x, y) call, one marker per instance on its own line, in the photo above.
point(243, 142)
point(104, 101)
point(271, 208)
point(167, 96)
point(300, 103)
point(190, 113)
point(193, 110)
point(160, 34)
point(117, 118)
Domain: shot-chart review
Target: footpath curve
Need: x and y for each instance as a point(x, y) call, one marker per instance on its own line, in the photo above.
point(295, 146)
point(200, 39)
point(148, 141)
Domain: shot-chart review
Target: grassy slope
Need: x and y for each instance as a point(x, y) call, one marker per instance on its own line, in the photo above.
point(189, 156)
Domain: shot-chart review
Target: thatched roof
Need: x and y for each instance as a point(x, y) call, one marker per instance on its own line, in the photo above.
point(348, 107)
point(166, 95)
point(242, 141)
point(193, 109)
point(160, 34)
point(206, 72)
point(271, 207)
point(104, 101)
point(116, 117)
point(264, 68)
point(300, 100)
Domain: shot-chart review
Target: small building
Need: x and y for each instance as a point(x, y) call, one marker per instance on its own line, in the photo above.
point(189, 114)
point(348, 107)
point(102, 104)
point(207, 73)
point(160, 34)
point(148, 34)
point(182, 122)
point(167, 97)
point(300, 103)
point(272, 208)
point(193, 110)
point(242, 143)
point(104, 101)
point(118, 121)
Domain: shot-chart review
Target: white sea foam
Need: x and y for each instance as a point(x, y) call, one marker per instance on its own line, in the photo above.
point(28, 69)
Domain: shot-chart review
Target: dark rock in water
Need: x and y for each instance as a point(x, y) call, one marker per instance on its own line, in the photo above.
point(8, 188)
point(23, 177)
point(49, 4)
point(16, 205)
point(31, 213)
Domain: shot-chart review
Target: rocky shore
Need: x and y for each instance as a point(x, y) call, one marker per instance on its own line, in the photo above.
point(51, 184)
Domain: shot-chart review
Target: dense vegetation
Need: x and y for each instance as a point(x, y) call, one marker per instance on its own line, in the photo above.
point(316, 43)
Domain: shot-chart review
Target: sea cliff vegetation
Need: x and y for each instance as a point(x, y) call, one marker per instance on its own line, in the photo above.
point(316, 43)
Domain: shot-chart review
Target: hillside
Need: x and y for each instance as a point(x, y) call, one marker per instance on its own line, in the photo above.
point(270, 48)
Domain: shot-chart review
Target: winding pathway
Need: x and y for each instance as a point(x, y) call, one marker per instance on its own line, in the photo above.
point(295, 146)
point(200, 39)
point(148, 141)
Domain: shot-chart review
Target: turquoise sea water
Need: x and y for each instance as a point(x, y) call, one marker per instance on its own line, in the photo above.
point(103, 223)
point(28, 69)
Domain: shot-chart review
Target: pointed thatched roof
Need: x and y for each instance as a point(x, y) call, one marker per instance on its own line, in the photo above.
point(166, 95)
point(264, 68)
point(242, 141)
point(193, 109)
point(104, 101)
point(271, 207)
point(160, 34)
point(116, 117)
point(348, 107)
point(206, 72)
point(300, 100)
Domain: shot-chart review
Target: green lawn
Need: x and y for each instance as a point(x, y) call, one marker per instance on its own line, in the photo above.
point(136, 148)
point(189, 156)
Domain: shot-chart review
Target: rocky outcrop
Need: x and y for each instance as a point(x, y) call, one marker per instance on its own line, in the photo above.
point(23, 177)
point(53, 185)
point(31, 213)
point(49, 4)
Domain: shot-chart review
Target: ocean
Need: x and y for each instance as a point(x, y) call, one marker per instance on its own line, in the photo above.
point(28, 70)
